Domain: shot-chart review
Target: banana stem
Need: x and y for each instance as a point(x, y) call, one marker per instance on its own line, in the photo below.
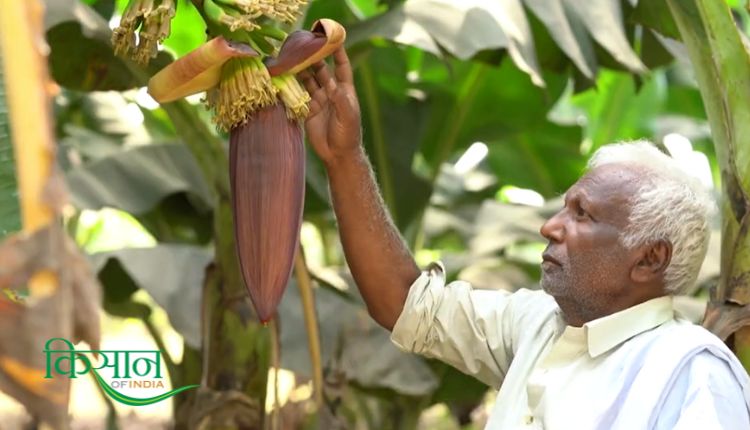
point(311, 323)
point(275, 421)
point(28, 90)
point(161, 346)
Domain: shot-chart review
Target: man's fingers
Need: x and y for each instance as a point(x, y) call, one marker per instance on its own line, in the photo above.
point(345, 104)
point(330, 87)
point(304, 75)
point(320, 84)
point(322, 75)
point(315, 108)
point(319, 96)
point(343, 69)
point(311, 85)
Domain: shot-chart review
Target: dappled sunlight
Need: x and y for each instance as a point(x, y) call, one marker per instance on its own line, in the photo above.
point(471, 158)
point(109, 229)
point(520, 196)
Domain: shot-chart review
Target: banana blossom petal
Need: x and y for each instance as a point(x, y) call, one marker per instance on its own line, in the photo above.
point(197, 71)
point(305, 48)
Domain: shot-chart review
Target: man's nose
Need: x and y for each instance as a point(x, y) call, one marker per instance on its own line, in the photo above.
point(554, 229)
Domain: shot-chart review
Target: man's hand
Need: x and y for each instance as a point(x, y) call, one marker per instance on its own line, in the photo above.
point(379, 260)
point(333, 125)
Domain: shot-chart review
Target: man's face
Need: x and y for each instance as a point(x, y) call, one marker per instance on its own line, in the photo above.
point(585, 263)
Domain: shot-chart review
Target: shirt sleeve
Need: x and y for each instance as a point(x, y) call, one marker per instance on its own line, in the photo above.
point(706, 395)
point(469, 329)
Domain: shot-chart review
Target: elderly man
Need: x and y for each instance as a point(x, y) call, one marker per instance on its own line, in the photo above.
point(601, 346)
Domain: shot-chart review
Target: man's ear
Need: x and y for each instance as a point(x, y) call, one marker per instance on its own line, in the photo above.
point(653, 260)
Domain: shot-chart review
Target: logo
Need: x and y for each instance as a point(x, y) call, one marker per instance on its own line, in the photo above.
point(138, 371)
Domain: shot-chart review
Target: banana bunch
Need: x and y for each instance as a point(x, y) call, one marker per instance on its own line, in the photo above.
point(245, 13)
point(153, 18)
point(253, 93)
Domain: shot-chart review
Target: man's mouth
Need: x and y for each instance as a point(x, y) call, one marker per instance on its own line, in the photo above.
point(548, 258)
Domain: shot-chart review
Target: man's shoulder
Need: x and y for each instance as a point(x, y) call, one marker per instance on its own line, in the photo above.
point(681, 337)
point(685, 332)
point(686, 344)
point(677, 361)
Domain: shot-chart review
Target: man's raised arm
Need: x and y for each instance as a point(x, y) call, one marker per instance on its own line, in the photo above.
point(379, 260)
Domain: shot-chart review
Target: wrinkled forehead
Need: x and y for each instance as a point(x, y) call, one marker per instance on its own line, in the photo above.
point(609, 189)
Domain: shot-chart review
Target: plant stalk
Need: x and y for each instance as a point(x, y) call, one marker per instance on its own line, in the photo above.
point(28, 91)
point(311, 323)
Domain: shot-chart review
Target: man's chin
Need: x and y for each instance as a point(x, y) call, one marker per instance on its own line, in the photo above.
point(552, 287)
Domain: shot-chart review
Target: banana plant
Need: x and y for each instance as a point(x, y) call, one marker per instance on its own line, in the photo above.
point(722, 69)
point(254, 96)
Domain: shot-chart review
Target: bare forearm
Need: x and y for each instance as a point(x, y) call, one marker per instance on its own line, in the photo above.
point(380, 262)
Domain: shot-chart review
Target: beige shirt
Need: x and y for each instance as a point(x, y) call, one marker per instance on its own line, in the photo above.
point(642, 367)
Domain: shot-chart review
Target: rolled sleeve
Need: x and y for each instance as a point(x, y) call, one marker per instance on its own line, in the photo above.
point(459, 325)
point(412, 329)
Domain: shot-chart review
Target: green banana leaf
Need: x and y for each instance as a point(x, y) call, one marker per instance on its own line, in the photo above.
point(10, 213)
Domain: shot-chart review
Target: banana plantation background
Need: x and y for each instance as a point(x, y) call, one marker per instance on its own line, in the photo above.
point(476, 115)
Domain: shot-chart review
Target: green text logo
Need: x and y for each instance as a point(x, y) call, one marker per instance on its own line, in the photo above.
point(129, 370)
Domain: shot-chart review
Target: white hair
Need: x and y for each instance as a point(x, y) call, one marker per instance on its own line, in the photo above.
point(670, 204)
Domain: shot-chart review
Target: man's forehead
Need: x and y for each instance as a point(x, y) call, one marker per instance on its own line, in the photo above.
point(610, 178)
point(610, 185)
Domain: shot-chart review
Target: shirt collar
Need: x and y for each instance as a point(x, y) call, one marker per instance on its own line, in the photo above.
point(605, 333)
